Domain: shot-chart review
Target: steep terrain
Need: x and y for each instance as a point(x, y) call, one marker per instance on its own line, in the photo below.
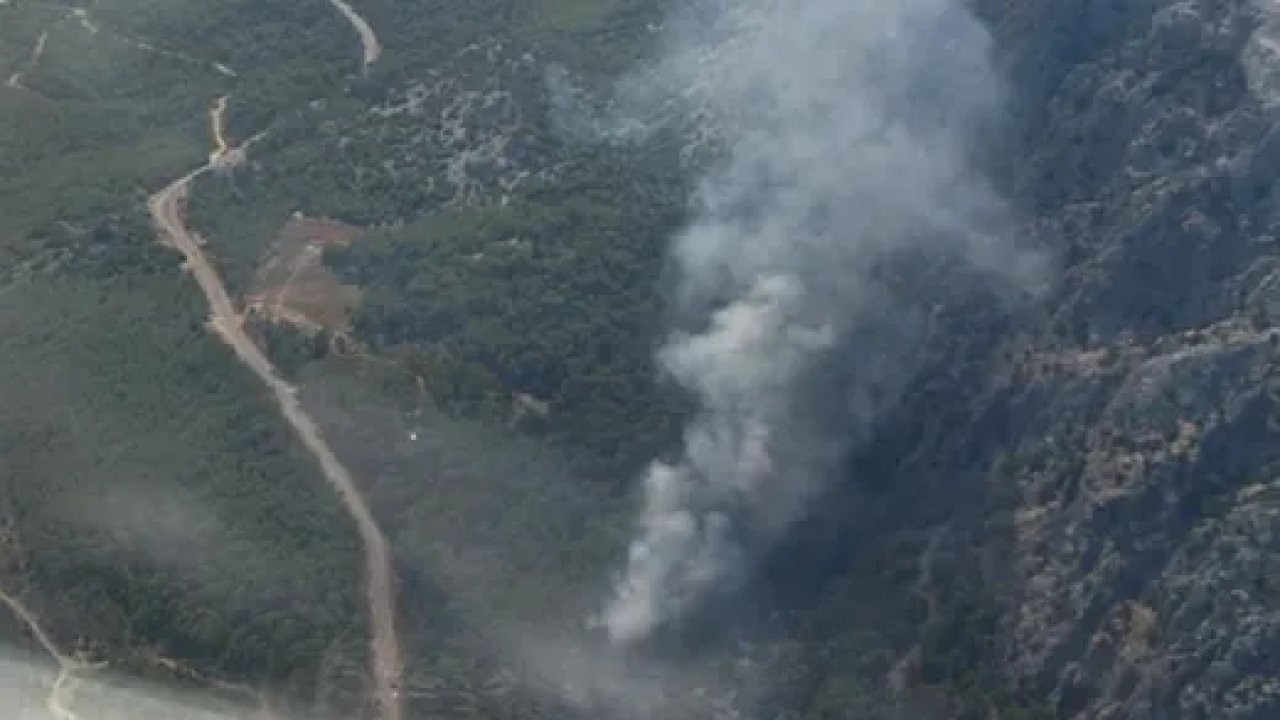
point(1101, 470)
point(1105, 475)
point(1146, 455)
point(1072, 512)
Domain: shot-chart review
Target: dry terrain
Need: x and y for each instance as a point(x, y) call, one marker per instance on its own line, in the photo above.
point(294, 286)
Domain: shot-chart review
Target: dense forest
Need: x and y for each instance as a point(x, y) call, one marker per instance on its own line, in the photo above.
point(494, 387)
point(502, 395)
point(505, 392)
point(154, 505)
point(511, 303)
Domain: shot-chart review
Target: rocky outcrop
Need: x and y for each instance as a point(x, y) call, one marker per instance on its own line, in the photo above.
point(1144, 462)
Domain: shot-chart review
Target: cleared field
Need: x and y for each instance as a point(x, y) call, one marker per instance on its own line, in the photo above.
point(294, 286)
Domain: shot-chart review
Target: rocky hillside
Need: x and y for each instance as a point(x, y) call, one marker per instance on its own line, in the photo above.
point(1129, 429)
point(1073, 512)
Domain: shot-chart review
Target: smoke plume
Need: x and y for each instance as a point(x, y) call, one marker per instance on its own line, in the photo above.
point(844, 134)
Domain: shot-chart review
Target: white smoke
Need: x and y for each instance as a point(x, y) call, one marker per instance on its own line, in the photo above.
point(846, 128)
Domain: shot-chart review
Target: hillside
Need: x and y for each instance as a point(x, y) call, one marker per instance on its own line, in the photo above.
point(1016, 425)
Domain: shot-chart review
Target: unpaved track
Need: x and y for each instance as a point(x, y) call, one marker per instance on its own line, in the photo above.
point(368, 39)
point(217, 125)
point(387, 664)
point(15, 80)
point(68, 667)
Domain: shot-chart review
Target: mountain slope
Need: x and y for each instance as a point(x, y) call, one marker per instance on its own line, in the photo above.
point(1072, 511)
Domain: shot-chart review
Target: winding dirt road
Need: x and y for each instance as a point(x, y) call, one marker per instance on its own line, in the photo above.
point(369, 39)
point(225, 321)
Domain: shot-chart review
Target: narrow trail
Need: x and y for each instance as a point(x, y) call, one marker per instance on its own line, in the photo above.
point(380, 593)
point(182, 670)
point(15, 80)
point(82, 17)
point(69, 668)
point(368, 39)
point(218, 127)
point(148, 47)
point(82, 14)
point(37, 52)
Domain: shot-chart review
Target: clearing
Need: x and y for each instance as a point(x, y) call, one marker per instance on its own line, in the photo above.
point(294, 286)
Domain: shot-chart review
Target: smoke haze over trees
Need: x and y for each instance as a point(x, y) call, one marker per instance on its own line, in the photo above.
point(846, 130)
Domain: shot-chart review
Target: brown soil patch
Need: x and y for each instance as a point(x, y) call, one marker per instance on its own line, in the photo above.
point(294, 286)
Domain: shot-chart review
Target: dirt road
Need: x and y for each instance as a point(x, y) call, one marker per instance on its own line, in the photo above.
point(380, 592)
point(372, 48)
point(217, 125)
